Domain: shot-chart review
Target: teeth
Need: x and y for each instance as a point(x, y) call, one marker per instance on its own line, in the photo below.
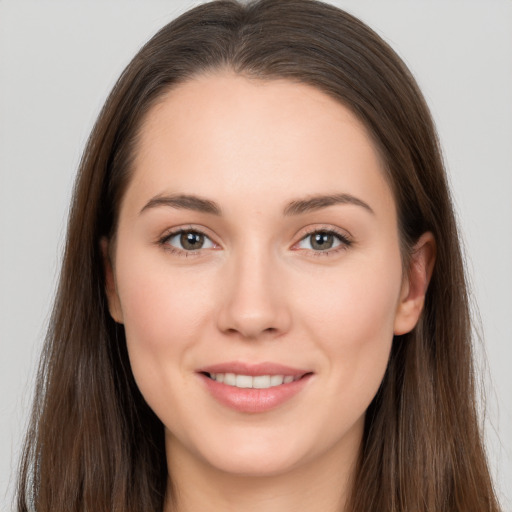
point(276, 380)
point(261, 382)
point(247, 381)
point(243, 381)
point(229, 379)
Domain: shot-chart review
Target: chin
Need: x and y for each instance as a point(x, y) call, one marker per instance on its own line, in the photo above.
point(251, 455)
point(264, 465)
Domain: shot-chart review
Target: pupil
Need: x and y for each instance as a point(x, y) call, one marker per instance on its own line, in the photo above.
point(191, 241)
point(322, 241)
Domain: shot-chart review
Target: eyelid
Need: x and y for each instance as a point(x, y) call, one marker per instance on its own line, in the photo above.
point(172, 232)
point(345, 238)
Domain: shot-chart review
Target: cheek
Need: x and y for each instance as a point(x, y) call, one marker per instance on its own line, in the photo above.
point(356, 302)
point(351, 321)
point(153, 310)
point(163, 314)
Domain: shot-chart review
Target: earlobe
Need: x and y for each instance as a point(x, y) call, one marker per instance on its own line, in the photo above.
point(415, 285)
point(114, 305)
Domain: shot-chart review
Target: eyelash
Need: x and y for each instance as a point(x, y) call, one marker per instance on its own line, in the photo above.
point(345, 241)
point(164, 241)
point(343, 238)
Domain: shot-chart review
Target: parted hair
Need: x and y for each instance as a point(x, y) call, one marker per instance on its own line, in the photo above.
point(94, 445)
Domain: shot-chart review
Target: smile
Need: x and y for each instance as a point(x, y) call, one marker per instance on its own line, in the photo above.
point(248, 381)
point(253, 388)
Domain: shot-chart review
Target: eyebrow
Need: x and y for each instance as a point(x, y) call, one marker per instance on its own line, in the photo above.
point(297, 207)
point(185, 202)
point(314, 203)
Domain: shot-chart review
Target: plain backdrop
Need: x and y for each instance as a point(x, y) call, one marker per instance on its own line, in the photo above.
point(58, 61)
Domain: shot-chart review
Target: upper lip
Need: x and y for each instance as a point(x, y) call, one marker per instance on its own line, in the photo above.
point(265, 368)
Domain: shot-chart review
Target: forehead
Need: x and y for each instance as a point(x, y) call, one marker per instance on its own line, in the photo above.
point(226, 134)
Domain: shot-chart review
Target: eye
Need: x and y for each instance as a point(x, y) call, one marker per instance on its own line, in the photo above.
point(323, 241)
point(188, 240)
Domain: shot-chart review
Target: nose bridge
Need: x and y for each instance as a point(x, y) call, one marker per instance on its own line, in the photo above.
point(254, 303)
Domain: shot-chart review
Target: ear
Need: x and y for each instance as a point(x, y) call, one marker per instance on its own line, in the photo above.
point(114, 305)
point(415, 284)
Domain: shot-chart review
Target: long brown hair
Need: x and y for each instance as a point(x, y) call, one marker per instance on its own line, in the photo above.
point(95, 445)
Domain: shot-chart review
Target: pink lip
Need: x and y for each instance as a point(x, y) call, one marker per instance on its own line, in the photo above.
point(249, 400)
point(254, 369)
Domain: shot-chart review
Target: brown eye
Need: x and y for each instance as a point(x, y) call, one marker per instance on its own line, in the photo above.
point(189, 240)
point(321, 241)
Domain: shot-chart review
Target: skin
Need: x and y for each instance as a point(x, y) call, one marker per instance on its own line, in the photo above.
point(258, 290)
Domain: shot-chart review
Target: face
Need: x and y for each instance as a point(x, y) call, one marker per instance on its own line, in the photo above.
point(257, 273)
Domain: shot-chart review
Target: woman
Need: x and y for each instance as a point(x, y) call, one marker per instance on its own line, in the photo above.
point(262, 303)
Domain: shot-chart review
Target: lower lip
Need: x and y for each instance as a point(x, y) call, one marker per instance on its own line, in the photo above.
point(252, 400)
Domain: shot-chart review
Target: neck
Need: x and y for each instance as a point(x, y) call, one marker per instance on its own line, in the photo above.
point(321, 484)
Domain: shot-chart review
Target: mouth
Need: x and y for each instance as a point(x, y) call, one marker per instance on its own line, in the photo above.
point(253, 382)
point(250, 388)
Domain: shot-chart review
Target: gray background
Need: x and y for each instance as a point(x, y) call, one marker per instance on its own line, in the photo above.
point(58, 61)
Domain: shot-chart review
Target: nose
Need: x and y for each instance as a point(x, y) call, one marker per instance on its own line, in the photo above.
point(254, 303)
